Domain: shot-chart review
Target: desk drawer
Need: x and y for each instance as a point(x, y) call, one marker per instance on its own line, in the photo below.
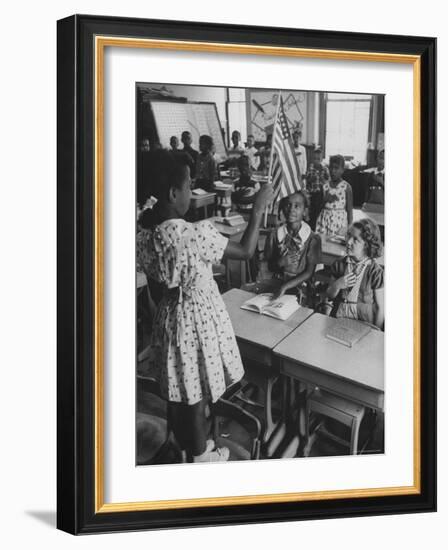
point(360, 394)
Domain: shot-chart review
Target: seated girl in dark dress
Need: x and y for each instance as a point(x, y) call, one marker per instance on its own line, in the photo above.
point(292, 249)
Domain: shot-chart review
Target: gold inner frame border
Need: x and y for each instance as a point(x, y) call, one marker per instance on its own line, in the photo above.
point(100, 43)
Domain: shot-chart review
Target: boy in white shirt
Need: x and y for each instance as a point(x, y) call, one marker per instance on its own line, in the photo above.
point(252, 153)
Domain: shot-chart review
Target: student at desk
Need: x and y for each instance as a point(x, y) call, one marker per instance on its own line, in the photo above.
point(292, 250)
point(237, 148)
point(188, 149)
point(245, 188)
point(206, 164)
point(358, 285)
point(192, 347)
point(174, 144)
point(252, 153)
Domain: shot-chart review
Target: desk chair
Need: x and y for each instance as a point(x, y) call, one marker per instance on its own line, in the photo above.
point(236, 429)
point(222, 276)
point(231, 426)
point(342, 410)
point(257, 377)
point(223, 202)
point(155, 441)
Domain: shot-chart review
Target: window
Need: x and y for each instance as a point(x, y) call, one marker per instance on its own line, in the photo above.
point(236, 113)
point(347, 125)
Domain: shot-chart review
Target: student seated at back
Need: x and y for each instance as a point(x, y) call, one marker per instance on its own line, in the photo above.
point(337, 212)
point(237, 147)
point(205, 164)
point(174, 144)
point(188, 150)
point(292, 249)
point(252, 152)
point(245, 188)
point(358, 280)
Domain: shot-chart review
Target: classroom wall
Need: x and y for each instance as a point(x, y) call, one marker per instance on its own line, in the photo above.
point(242, 114)
point(204, 93)
point(28, 280)
point(252, 111)
point(262, 106)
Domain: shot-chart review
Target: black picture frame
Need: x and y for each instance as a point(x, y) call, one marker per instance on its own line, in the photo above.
point(76, 511)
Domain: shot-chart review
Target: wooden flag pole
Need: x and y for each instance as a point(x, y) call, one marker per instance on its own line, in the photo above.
point(272, 153)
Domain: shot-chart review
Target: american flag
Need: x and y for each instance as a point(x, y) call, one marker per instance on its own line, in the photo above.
point(285, 171)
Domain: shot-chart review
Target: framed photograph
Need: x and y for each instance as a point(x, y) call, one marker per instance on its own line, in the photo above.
point(246, 309)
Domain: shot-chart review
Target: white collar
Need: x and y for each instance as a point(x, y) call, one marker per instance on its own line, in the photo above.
point(304, 232)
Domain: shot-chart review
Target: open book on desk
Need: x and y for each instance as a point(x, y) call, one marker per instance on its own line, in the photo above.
point(281, 308)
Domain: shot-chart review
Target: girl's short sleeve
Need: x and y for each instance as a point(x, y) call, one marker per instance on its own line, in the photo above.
point(376, 276)
point(211, 243)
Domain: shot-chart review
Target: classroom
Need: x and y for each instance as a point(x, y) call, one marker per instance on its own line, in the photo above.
point(259, 274)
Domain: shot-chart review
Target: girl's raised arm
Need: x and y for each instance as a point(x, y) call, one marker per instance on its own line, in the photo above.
point(246, 248)
point(349, 204)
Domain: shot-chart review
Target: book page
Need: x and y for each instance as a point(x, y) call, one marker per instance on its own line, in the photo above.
point(282, 308)
point(258, 303)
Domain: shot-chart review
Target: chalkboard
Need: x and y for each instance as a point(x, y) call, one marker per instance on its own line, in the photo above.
point(172, 118)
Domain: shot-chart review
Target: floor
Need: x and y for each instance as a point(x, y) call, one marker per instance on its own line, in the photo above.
point(152, 446)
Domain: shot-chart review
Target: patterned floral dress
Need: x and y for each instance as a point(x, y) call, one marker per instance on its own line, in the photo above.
point(333, 216)
point(192, 350)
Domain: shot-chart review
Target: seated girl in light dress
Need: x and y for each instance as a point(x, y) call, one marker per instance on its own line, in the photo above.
point(358, 280)
point(192, 348)
point(337, 212)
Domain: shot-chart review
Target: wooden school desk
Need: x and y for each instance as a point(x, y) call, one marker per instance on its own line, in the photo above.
point(199, 202)
point(332, 251)
point(223, 196)
point(356, 373)
point(234, 234)
point(257, 336)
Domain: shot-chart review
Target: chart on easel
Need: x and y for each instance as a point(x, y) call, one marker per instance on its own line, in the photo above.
point(173, 118)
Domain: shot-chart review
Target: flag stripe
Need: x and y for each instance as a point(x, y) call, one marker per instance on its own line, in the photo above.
point(285, 171)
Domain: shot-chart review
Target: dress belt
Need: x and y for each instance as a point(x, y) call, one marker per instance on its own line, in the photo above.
point(181, 293)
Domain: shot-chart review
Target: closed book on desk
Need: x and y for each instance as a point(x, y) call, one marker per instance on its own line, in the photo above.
point(338, 239)
point(233, 221)
point(347, 331)
point(281, 309)
point(221, 186)
point(199, 191)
